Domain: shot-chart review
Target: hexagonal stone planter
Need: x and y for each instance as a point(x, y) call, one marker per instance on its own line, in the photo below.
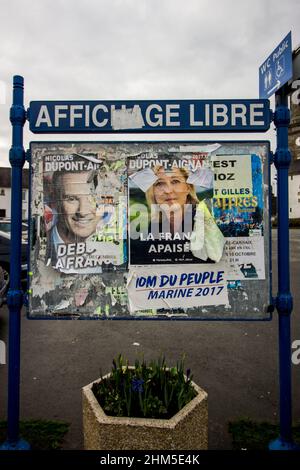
point(188, 429)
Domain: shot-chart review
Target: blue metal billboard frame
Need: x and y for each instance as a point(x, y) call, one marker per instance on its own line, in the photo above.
point(284, 301)
point(270, 307)
point(15, 293)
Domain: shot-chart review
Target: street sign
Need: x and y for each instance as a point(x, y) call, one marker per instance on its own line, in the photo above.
point(149, 116)
point(105, 245)
point(277, 69)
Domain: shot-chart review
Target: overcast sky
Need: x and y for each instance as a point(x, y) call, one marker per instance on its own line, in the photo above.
point(137, 49)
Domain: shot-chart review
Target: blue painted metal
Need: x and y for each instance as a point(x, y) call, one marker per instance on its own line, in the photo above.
point(281, 444)
point(277, 69)
point(284, 300)
point(20, 444)
point(242, 115)
point(15, 294)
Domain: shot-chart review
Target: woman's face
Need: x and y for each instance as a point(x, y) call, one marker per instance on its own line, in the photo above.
point(171, 188)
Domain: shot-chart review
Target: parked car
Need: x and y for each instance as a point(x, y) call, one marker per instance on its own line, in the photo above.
point(4, 281)
point(5, 235)
point(5, 226)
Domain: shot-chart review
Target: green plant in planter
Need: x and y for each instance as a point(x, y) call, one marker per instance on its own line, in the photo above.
point(144, 391)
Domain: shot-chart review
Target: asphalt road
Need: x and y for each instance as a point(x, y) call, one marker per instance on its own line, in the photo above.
point(235, 362)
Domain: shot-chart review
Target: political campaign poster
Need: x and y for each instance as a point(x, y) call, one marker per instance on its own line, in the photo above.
point(170, 210)
point(169, 286)
point(84, 213)
point(238, 210)
point(160, 230)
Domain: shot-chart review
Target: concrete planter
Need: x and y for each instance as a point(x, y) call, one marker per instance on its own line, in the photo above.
point(188, 429)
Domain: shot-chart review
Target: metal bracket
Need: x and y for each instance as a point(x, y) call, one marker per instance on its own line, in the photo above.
point(284, 304)
point(17, 115)
point(282, 116)
point(25, 299)
point(282, 158)
point(15, 298)
point(272, 305)
point(16, 156)
point(28, 156)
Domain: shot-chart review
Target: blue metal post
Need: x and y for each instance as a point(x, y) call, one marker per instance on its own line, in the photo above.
point(15, 294)
point(284, 300)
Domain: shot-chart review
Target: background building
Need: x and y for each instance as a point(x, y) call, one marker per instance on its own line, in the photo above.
point(294, 171)
point(5, 193)
point(294, 146)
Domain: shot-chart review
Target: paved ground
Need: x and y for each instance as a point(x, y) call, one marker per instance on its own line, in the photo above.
point(235, 362)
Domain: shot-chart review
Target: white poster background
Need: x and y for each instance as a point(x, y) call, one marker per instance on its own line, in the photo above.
point(245, 258)
point(174, 286)
point(233, 175)
point(87, 258)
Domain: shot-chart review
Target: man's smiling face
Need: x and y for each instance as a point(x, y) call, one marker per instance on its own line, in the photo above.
point(78, 219)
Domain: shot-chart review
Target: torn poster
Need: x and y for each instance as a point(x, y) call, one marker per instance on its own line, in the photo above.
point(233, 176)
point(102, 211)
point(84, 213)
point(170, 204)
point(244, 257)
point(238, 210)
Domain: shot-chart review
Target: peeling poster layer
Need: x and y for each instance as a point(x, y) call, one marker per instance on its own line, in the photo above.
point(149, 229)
